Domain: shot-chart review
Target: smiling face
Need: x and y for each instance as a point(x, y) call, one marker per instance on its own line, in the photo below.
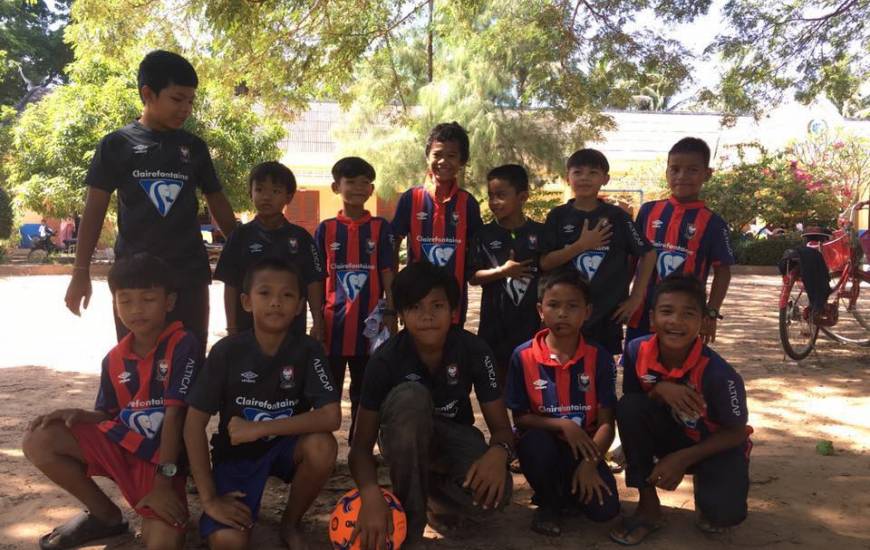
point(686, 174)
point(504, 201)
point(269, 198)
point(563, 309)
point(169, 109)
point(445, 160)
point(354, 191)
point(428, 321)
point(587, 181)
point(143, 310)
point(676, 320)
point(274, 300)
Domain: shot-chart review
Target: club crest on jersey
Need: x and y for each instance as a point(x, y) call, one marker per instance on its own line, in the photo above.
point(370, 246)
point(439, 254)
point(162, 370)
point(583, 381)
point(455, 217)
point(288, 379)
point(293, 245)
point(516, 288)
point(589, 262)
point(452, 374)
point(422, 216)
point(690, 230)
point(184, 152)
point(533, 242)
point(162, 193)
point(352, 283)
point(145, 422)
point(669, 262)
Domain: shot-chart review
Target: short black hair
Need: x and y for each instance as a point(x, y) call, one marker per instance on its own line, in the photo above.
point(450, 131)
point(680, 283)
point(139, 271)
point(692, 145)
point(564, 276)
point(275, 172)
point(351, 167)
point(272, 263)
point(514, 174)
point(592, 158)
point(160, 69)
point(416, 281)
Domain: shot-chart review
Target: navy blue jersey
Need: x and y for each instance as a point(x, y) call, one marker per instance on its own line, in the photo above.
point(250, 243)
point(508, 307)
point(156, 175)
point(355, 254)
point(135, 390)
point(538, 384)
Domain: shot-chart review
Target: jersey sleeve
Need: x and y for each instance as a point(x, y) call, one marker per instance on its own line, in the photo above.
point(107, 399)
point(483, 376)
point(637, 243)
point(515, 396)
point(206, 177)
point(474, 220)
point(376, 382)
point(548, 238)
point(401, 223)
point(229, 265)
point(209, 386)
point(630, 383)
point(386, 243)
point(721, 252)
point(185, 367)
point(320, 389)
point(605, 380)
point(320, 239)
point(312, 270)
point(103, 172)
point(725, 395)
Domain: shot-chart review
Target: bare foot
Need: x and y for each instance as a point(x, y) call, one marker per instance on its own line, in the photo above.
point(294, 538)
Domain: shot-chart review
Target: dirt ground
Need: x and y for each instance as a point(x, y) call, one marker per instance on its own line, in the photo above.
point(51, 359)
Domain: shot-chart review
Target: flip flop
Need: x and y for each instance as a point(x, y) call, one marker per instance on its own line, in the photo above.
point(547, 522)
point(631, 524)
point(80, 530)
point(704, 525)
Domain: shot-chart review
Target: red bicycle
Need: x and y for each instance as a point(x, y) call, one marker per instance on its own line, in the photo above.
point(799, 324)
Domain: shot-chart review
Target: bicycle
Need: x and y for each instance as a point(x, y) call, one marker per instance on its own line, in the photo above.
point(799, 324)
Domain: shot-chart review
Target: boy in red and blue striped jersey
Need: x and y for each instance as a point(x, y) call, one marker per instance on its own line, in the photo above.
point(687, 236)
point(134, 433)
point(438, 217)
point(560, 389)
point(358, 250)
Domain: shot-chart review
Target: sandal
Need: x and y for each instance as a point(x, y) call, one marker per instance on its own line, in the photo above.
point(630, 525)
point(80, 530)
point(547, 522)
point(704, 525)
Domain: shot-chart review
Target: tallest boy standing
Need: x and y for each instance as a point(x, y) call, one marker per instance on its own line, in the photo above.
point(156, 168)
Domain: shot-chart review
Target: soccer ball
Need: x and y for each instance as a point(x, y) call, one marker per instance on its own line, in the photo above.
point(343, 521)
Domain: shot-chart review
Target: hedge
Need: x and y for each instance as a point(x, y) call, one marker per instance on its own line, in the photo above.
point(764, 251)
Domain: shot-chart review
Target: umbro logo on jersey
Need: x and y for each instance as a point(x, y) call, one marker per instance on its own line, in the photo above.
point(540, 385)
point(124, 377)
point(249, 377)
point(413, 377)
point(657, 224)
point(352, 283)
point(649, 378)
point(495, 245)
point(255, 248)
point(570, 228)
point(140, 149)
point(335, 246)
point(162, 193)
point(422, 216)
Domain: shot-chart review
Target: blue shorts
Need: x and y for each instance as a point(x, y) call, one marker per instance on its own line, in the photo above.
point(249, 477)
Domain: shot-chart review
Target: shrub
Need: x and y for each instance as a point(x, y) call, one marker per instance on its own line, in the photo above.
point(764, 251)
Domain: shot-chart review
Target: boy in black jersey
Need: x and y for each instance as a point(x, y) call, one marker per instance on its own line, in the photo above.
point(415, 401)
point(272, 186)
point(156, 167)
point(601, 241)
point(504, 260)
point(278, 408)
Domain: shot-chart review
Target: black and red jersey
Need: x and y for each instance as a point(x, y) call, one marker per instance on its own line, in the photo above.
point(135, 390)
point(538, 384)
point(439, 230)
point(688, 238)
point(355, 253)
point(704, 371)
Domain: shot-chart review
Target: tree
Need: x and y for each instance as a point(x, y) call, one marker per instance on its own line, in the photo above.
point(810, 47)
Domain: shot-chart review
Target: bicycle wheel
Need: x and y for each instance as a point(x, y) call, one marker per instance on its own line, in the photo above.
point(861, 307)
point(796, 329)
point(851, 327)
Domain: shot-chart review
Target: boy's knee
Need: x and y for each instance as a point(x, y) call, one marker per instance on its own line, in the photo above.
point(228, 539)
point(158, 535)
point(606, 511)
point(408, 400)
point(633, 406)
point(40, 443)
point(721, 513)
point(319, 449)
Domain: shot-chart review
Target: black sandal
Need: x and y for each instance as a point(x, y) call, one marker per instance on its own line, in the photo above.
point(80, 530)
point(630, 525)
point(547, 522)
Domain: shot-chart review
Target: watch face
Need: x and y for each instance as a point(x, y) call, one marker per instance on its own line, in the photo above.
point(168, 470)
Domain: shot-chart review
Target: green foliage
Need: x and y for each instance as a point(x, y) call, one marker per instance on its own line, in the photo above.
point(764, 251)
point(6, 215)
point(807, 46)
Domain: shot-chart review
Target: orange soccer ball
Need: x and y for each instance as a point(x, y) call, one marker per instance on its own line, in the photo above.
point(343, 521)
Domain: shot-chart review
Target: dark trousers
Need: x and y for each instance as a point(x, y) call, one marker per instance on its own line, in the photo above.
point(428, 457)
point(647, 430)
point(549, 465)
point(191, 308)
point(338, 365)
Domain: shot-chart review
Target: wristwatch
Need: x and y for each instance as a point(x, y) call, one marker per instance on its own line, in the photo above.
point(712, 313)
point(167, 470)
point(507, 448)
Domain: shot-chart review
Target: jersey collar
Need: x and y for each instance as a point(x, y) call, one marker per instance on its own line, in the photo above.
point(284, 223)
point(685, 205)
point(431, 186)
point(542, 354)
point(348, 221)
point(649, 351)
point(125, 346)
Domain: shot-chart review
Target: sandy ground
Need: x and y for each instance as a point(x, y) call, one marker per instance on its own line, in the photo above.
point(51, 359)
